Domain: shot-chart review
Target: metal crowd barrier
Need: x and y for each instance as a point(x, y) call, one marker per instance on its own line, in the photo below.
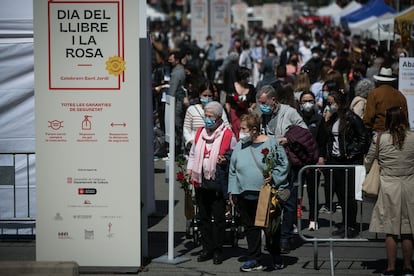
point(322, 235)
point(17, 195)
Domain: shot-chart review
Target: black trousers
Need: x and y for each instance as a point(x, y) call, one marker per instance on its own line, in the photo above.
point(289, 207)
point(179, 123)
point(212, 208)
point(253, 233)
point(312, 178)
point(344, 186)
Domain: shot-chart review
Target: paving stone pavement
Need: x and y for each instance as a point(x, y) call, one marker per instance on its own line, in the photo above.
point(365, 257)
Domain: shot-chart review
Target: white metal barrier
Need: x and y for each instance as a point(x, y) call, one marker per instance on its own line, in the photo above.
point(324, 234)
point(17, 195)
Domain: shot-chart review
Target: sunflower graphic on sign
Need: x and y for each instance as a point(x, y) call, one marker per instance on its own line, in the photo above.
point(115, 65)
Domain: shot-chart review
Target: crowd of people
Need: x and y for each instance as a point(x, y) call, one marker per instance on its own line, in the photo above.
point(341, 88)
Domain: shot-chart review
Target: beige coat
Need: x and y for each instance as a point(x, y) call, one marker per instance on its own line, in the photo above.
point(394, 210)
point(358, 106)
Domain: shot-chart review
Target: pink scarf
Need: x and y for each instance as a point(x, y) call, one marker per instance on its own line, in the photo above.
point(207, 165)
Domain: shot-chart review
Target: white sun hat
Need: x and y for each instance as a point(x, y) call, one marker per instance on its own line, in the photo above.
point(385, 74)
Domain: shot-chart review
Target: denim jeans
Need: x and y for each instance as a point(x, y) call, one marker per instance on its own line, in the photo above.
point(289, 207)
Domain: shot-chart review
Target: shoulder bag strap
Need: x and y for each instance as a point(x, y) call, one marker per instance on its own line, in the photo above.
point(255, 160)
point(198, 111)
point(377, 145)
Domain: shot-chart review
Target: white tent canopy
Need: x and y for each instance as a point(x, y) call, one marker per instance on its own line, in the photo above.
point(16, 76)
point(363, 26)
point(383, 29)
point(329, 10)
point(17, 131)
point(351, 7)
point(16, 21)
point(379, 28)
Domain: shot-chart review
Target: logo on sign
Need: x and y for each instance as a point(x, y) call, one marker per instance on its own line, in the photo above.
point(86, 191)
point(64, 235)
point(89, 234)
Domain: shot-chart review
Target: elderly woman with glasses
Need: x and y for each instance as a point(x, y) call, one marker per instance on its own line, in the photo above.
point(208, 169)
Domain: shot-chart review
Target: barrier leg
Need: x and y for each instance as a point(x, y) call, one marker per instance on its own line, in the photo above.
point(315, 255)
point(331, 258)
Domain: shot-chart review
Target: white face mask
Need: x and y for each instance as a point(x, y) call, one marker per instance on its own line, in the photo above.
point(245, 137)
point(307, 106)
point(333, 108)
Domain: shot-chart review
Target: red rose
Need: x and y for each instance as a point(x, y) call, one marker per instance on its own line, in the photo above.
point(180, 176)
point(236, 97)
point(265, 151)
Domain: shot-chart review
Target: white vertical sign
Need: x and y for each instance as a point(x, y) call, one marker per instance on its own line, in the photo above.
point(285, 12)
point(87, 132)
point(258, 11)
point(199, 21)
point(220, 25)
point(271, 15)
point(240, 14)
point(406, 85)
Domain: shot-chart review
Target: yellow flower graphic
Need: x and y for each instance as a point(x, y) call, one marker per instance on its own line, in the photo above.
point(115, 65)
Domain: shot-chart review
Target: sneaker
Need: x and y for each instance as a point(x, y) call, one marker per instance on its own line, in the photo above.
point(279, 266)
point(217, 258)
point(388, 273)
point(325, 210)
point(313, 226)
point(204, 256)
point(251, 265)
point(295, 229)
point(166, 157)
point(277, 262)
point(407, 272)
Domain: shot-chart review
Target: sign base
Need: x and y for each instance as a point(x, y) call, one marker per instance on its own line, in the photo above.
point(177, 260)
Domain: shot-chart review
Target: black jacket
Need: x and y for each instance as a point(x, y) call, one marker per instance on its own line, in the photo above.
point(354, 138)
point(316, 125)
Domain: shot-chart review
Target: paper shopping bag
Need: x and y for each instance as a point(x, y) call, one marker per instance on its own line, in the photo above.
point(262, 211)
point(188, 205)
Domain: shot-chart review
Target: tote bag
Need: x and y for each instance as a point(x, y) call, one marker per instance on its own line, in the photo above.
point(372, 182)
point(263, 207)
point(371, 185)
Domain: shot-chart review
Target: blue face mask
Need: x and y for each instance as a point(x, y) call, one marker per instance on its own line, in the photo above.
point(265, 109)
point(333, 108)
point(205, 100)
point(209, 123)
point(325, 95)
